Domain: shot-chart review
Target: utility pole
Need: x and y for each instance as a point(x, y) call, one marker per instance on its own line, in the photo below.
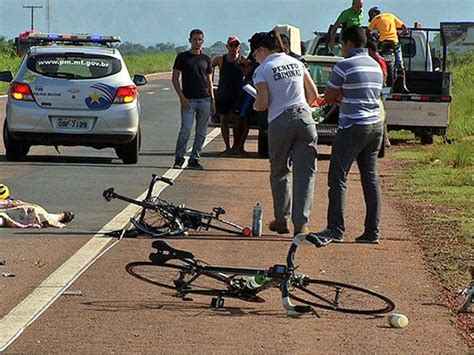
point(32, 7)
point(48, 15)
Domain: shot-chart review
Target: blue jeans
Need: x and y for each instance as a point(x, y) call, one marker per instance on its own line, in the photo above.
point(200, 108)
point(362, 144)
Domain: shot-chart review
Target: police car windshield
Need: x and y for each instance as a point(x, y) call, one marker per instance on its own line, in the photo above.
point(73, 66)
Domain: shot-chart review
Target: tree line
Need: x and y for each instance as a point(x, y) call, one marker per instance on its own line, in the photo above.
point(129, 48)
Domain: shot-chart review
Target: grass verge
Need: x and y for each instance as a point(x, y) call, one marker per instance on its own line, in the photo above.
point(436, 193)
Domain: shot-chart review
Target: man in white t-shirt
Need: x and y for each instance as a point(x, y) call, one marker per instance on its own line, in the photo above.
point(285, 88)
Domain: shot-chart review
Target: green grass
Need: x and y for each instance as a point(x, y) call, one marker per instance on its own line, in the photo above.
point(11, 63)
point(150, 63)
point(144, 64)
point(442, 176)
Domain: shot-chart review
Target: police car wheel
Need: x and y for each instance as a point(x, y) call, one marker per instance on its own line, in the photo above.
point(129, 152)
point(15, 150)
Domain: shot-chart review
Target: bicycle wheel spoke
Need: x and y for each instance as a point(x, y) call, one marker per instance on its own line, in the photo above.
point(160, 275)
point(176, 275)
point(341, 297)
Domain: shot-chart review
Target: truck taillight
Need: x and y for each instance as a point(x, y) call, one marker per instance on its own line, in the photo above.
point(125, 94)
point(21, 92)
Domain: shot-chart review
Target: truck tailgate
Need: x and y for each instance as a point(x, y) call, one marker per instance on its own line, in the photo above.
point(412, 113)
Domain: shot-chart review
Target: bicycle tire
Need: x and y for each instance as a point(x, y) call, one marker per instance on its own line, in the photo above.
point(158, 223)
point(167, 274)
point(359, 300)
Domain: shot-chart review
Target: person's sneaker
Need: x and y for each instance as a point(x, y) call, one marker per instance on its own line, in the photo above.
point(329, 234)
point(304, 230)
point(364, 238)
point(195, 164)
point(178, 163)
point(279, 226)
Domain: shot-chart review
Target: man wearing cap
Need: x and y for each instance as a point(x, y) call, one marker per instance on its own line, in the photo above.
point(349, 17)
point(228, 90)
point(387, 25)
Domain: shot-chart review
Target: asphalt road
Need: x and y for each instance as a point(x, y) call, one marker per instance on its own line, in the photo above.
point(75, 179)
point(111, 312)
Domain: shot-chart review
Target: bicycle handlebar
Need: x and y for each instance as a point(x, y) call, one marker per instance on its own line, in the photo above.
point(109, 194)
point(310, 238)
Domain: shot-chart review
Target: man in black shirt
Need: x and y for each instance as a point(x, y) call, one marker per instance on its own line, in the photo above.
point(196, 98)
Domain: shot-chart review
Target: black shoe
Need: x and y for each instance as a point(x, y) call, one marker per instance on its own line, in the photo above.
point(178, 163)
point(195, 164)
point(329, 234)
point(364, 238)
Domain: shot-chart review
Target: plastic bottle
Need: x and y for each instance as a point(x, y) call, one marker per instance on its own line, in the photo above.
point(257, 221)
point(254, 282)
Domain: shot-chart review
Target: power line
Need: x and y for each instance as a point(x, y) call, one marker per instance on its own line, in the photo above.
point(32, 8)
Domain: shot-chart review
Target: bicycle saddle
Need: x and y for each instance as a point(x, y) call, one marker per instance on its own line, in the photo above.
point(165, 252)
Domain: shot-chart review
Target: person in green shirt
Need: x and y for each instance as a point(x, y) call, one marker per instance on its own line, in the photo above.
point(349, 17)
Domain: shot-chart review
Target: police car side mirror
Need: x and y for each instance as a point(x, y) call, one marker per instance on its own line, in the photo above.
point(139, 80)
point(6, 76)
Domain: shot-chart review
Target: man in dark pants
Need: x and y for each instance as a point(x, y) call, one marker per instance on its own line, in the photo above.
point(356, 84)
point(196, 98)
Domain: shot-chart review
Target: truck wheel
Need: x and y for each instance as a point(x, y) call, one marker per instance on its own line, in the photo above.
point(426, 138)
point(129, 152)
point(15, 150)
point(262, 144)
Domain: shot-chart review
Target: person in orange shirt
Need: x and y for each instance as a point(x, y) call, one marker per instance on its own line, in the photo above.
point(387, 25)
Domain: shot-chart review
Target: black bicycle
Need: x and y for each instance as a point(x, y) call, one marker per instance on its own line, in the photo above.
point(160, 218)
point(180, 271)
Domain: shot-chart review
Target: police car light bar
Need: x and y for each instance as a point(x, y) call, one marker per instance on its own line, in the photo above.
point(73, 38)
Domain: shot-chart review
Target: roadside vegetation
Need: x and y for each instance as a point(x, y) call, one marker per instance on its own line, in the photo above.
point(437, 189)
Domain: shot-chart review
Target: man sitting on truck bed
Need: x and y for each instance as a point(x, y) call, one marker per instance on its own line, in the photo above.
point(387, 25)
point(349, 17)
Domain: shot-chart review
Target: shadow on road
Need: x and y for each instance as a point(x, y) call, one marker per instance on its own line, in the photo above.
point(192, 309)
point(63, 159)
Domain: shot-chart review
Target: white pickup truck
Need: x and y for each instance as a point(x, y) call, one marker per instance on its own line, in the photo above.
point(424, 111)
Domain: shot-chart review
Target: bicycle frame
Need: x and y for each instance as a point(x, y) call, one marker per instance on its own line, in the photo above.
point(283, 277)
point(187, 217)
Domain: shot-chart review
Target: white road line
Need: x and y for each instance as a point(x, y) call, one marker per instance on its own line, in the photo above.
point(31, 308)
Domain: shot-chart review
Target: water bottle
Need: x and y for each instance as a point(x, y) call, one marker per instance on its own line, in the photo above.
point(257, 224)
point(255, 282)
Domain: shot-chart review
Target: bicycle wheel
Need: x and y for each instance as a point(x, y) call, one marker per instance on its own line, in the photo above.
point(341, 297)
point(159, 222)
point(174, 274)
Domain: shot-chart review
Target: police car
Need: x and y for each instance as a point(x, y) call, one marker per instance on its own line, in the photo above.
point(73, 90)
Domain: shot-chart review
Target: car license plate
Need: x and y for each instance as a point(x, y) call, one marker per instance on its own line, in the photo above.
point(82, 124)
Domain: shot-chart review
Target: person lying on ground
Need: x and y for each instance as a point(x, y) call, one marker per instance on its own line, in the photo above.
point(20, 214)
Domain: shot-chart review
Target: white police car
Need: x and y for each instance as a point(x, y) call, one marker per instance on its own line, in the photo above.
point(73, 90)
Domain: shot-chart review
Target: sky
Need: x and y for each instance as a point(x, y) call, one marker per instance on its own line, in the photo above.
point(160, 21)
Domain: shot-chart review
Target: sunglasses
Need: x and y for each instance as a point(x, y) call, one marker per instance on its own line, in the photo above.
point(255, 52)
point(234, 45)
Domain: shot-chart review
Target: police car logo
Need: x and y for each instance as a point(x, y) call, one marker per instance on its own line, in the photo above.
point(102, 96)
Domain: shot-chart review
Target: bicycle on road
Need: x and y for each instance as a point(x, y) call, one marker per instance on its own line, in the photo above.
point(160, 218)
point(185, 275)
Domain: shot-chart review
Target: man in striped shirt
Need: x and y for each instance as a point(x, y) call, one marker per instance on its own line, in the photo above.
point(355, 84)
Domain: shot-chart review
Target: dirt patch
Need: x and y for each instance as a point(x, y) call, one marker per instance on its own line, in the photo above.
point(439, 239)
